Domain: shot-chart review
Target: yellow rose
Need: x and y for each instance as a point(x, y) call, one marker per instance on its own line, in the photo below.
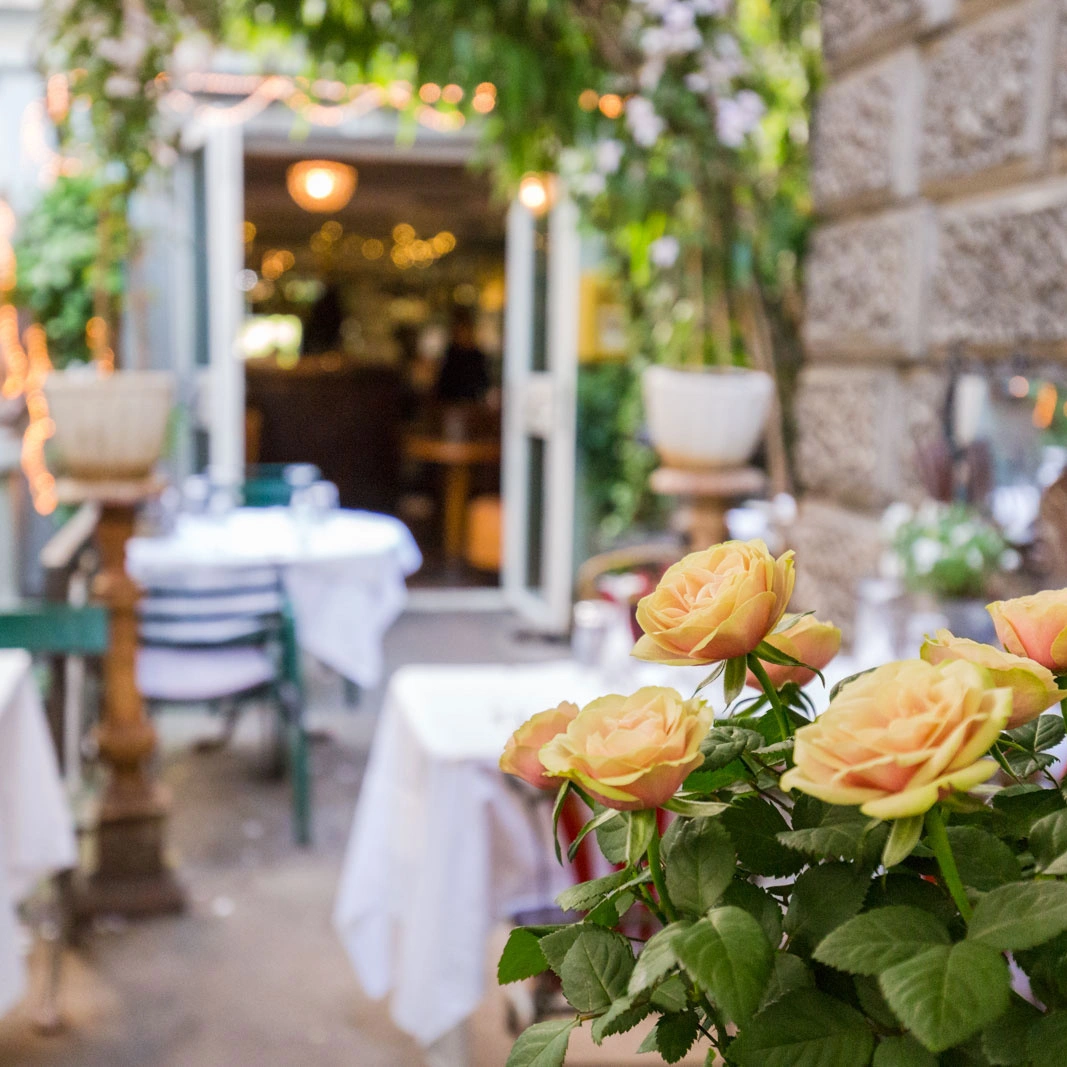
point(1033, 687)
point(520, 756)
point(896, 739)
point(631, 752)
point(1034, 626)
point(808, 640)
point(715, 605)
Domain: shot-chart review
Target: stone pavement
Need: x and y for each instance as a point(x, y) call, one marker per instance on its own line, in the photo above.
point(253, 974)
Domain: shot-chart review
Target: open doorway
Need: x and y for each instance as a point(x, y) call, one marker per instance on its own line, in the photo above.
point(373, 343)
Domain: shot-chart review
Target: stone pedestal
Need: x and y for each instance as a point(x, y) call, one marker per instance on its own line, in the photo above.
point(130, 877)
point(705, 496)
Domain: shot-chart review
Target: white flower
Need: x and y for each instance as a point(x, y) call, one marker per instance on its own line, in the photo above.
point(696, 82)
point(960, 535)
point(664, 251)
point(653, 41)
point(974, 558)
point(125, 52)
point(679, 17)
point(645, 125)
point(121, 87)
point(1009, 560)
point(590, 184)
point(608, 155)
point(710, 7)
point(738, 116)
point(925, 553)
point(893, 518)
point(651, 72)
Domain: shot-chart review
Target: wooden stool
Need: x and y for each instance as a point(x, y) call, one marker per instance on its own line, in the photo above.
point(483, 533)
point(705, 496)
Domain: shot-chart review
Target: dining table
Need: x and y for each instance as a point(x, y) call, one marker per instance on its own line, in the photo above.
point(444, 845)
point(344, 572)
point(36, 826)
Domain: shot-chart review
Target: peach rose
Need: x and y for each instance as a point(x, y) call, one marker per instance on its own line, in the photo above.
point(896, 739)
point(808, 640)
point(631, 752)
point(714, 605)
point(1034, 626)
point(1033, 687)
point(520, 756)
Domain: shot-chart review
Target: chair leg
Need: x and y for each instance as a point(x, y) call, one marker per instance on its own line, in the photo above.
point(292, 705)
point(230, 710)
point(56, 933)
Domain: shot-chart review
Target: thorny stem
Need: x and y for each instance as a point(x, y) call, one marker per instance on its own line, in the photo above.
point(935, 830)
point(757, 669)
point(658, 880)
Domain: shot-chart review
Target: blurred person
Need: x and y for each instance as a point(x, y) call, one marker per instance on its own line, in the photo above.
point(322, 328)
point(465, 369)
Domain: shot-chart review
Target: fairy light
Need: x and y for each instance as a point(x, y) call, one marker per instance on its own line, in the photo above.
point(610, 105)
point(1045, 406)
point(588, 99)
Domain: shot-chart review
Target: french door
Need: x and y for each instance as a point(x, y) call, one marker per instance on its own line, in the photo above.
point(540, 381)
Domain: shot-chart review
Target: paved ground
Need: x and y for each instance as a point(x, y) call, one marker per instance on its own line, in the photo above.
point(252, 975)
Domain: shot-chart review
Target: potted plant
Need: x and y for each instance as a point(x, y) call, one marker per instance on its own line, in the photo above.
point(882, 883)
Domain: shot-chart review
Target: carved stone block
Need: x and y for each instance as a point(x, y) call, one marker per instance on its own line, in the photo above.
point(1000, 272)
point(986, 99)
point(864, 135)
point(1058, 122)
point(853, 29)
point(865, 282)
point(835, 548)
point(857, 430)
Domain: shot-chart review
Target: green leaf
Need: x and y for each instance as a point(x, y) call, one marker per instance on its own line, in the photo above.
point(984, 861)
point(673, 1036)
point(597, 820)
point(556, 945)
point(759, 904)
point(642, 825)
point(672, 996)
point(728, 955)
point(1022, 805)
point(694, 809)
point(612, 908)
point(522, 957)
point(1005, 1041)
point(869, 996)
point(844, 681)
point(876, 940)
point(770, 654)
point(1048, 843)
point(585, 895)
point(1047, 1043)
point(805, 1029)
point(904, 835)
point(754, 825)
point(701, 864)
point(908, 889)
point(823, 898)
point(623, 1015)
point(1035, 738)
point(788, 974)
point(596, 969)
point(611, 838)
point(1020, 916)
point(723, 744)
point(841, 833)
point(557, 811)
point(902, 1052)
point(709, 678)
point(543, 1044)
point(1046, 967)
point(734, 679)
point(946, 993)
point(656, 958)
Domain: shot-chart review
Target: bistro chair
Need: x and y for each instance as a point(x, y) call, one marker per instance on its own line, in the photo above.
point(221, 640)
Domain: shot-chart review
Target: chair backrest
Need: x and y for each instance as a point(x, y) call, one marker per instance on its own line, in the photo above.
point(56, 629)
point(211, 608)
point(266, 486)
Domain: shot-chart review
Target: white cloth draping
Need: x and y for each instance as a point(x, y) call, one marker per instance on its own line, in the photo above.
point(344, 572)
point(36, 828)
point(443, 844)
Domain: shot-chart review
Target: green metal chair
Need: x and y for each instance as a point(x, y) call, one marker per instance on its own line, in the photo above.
point(265, 486)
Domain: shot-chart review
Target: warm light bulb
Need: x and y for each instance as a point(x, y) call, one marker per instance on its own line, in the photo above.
point(534, 193)
point(318, 184)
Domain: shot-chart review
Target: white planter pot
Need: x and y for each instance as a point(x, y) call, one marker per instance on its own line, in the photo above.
point(110, 426)
point(712, 417)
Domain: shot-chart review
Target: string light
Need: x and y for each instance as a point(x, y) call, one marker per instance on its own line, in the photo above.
point(588, 99)
point(610, 105)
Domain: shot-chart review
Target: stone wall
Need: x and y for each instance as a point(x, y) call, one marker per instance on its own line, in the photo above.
point(939, 173)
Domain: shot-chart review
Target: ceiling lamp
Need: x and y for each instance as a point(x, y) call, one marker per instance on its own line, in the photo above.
point(322, 185)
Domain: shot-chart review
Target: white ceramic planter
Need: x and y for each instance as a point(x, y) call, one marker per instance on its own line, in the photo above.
point(110, 426)
point(706, 418)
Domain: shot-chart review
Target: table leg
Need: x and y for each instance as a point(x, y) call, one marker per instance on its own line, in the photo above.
point(131, 876)
point(457, 491)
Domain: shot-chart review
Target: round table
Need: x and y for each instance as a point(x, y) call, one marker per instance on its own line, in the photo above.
point(457, 457)
point(343, 572)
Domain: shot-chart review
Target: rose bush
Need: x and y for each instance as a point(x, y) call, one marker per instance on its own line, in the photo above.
point(1033, 687)
point(842, 889)
point(715, 605)
point(630, 752)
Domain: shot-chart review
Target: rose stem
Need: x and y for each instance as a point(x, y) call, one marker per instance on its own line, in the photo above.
point(1063, 703)
point(935, 829)
point(656, 867)
point(756, 668)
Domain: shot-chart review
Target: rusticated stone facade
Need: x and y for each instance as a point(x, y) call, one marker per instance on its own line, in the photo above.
point(940, 176)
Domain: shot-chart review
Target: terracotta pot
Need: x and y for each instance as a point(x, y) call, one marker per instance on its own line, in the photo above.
point(110, 426)
point(708, 417)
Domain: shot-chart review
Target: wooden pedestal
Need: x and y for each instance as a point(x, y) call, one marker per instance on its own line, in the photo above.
point(705, 496)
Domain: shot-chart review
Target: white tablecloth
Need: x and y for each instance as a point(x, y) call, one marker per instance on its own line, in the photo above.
point(344, 573)
point(442, 845)
point(36, 829)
